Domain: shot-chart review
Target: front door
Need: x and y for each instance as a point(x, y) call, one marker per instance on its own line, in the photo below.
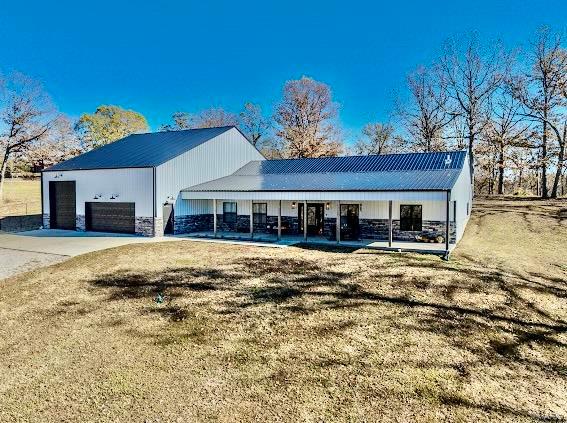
point(62, 204)
point(315, 218)
point(349, 221)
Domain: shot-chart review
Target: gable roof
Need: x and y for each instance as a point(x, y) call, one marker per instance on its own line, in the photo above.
point(389, 172)
point(141, 150)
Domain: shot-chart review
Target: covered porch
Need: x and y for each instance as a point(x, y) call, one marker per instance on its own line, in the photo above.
point(380, 220)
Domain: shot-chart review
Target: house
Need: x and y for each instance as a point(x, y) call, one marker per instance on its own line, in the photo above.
point(132, 185)
point(213, 182)
point(389, 198)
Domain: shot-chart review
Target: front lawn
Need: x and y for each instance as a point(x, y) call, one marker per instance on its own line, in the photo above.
point(21, 197)
point(195, 331)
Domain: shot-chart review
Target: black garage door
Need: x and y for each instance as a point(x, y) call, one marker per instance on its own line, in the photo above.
point(110, 217)
point(62, 202)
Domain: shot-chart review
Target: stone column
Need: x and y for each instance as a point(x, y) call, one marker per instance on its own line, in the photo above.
point(305, 220)
point(215, 217)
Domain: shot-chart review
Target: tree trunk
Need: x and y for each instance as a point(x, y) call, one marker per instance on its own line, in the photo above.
point(3, 172)
point(544, 160)
point(557, 180)
point(501, 169)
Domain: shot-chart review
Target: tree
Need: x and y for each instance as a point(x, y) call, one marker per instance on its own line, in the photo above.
point(427, 115)
point(208, 118)
point(541, 94)
point(181, 120)
point(59, 144)
point(470, 77)
point(507, 128)
point(253, 123)
point(305, 119)
point(108, 124)
point(26, 116)
point(378, 139)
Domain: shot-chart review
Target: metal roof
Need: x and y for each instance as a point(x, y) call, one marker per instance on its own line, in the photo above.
point(141, 150)
point(392, 172)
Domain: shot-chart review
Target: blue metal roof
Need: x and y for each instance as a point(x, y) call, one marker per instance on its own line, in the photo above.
point(392, 172)
point(141, 150)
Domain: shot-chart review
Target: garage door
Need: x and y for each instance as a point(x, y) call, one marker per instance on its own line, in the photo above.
point(110, 217)
point(62, 201)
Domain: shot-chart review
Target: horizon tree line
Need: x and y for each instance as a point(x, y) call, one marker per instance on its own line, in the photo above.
point(509, 114)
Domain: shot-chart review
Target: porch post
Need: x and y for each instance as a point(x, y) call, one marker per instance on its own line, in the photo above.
point(338, 225)
point(390, 233)
point(251, 219)
point(280, 221)
point(215, 217)
point(305, 220)
point(448, 221)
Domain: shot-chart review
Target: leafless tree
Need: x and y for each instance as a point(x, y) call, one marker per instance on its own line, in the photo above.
point(470, 76)
point(506, 128)
point(305, 118)
point(208, 118)
point(59, 144)
point(253, 123)
point(378, 139)
point(26, 116)
point(541, 92)
point(427, 115)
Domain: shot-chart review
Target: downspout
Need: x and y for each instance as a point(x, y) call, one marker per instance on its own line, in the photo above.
point(154, 199)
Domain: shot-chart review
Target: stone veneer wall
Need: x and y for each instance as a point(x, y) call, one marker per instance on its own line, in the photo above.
point(144, 226)
point(193, 223)
point(378, 229)
point(330, 228)
point(158, 226)
point(46, 221)
point(80, 224)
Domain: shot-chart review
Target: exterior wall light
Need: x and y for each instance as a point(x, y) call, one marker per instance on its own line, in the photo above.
point(114, 196)
point(327, 206)
point(97, 196)
point(293, 204)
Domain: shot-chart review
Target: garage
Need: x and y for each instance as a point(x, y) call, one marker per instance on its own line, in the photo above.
point(110, 217)
point(62, 202)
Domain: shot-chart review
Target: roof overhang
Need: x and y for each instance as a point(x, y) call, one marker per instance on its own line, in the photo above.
point(423, 195)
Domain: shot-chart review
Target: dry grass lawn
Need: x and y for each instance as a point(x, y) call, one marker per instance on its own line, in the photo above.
point(21, 196)
point(262, 334)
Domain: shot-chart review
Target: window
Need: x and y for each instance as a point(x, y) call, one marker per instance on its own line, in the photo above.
point(229, 212)
point(410, 218)
point(260, 213)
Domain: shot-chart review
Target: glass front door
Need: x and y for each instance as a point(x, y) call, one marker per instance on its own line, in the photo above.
point(349, 221)
point(315, 218)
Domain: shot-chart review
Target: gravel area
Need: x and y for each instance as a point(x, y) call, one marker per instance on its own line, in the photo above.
point(14, 261)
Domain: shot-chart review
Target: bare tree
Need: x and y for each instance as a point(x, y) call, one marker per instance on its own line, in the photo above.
point(305, 117)
point(208, 118)
point(180, 121)
point(26, 116)
point(427, 115)
point(378, 139)
point(253, 123)
point(470, 77)
point(506, 128)
point(541, 93)
point(59, 144)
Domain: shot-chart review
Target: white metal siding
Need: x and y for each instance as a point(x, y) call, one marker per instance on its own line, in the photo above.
point(432, 210)
point(462, 193)
point(131, 185)
point(213, 159)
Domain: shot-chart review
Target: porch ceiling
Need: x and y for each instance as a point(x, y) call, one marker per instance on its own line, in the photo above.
point(317, 195)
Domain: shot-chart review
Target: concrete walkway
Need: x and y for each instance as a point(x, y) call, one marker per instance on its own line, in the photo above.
point(23, 251)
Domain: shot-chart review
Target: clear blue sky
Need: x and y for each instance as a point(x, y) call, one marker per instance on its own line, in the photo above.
point(162, 56)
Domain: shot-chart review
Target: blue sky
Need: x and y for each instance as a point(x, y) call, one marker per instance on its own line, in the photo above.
point(162, 56)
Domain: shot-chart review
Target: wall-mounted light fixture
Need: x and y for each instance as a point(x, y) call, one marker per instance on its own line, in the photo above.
point(293, 204)
point(58, 175)
point(97, 196)
point(327, 206)
point(114, 196)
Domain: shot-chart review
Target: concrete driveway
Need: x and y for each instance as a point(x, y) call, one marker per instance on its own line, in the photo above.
point(24, 251)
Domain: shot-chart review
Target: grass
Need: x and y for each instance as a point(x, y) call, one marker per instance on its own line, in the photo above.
point(298, 334)
point(21, 196)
